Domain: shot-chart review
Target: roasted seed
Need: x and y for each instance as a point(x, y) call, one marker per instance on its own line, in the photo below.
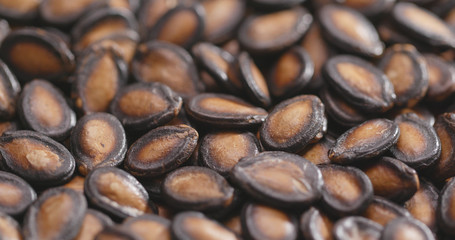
point(446, 208)
point(406, 229)
point(149, 227)
point(9, 90)
point(382, 211)
point(316, 225)
point(93, 223)
point(65, 13)
point(116, 233)
point(9, 229)
point(424, 203)
point(318, 153)
point(15, 194)
point(125, 43)
point(20, 10)
point(356, 228)
point(441, 78)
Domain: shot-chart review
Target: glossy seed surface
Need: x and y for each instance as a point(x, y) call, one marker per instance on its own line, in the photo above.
point(424, 203)
point(149, 227)
point(314, 224)
point(356, 228)
point(406, 228)
point(383, 211)
point(93, 223)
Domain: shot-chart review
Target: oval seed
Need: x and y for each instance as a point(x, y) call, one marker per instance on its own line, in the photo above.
point(20, 10)
point(421, 111)
point(57, 214)
point(418, 145)
point(116, 233)
point(9, 90)
point(149, 227)
point(98, 140)
point(369, 8)
point(273, 32)
point(15, 194)
point(279, 178)
point(263, 222)
point(221, 151)
point(195, 226)
point(225, 111)
point(446, 208)
point(100, 24)
point(365, 141)
point(356, 228)
point(117, 193)
point(143, 106)
point(423, 24)
point(406, 69)
point(315, 225)
point(125, 43)
point(291, 73)
point(346, 190)
point(182, 25)
point(151, 11)
point(161, 150)
point(392, 179)
point(424, 203)
point(93, 223)
point(360, 83)
point(65, 13)
point(101, 73)
point(318, 153)
point(441, 78)
point(9, 228)
point(294, 123)
point(383, 211)
point(196, 188)
point(155, 61)
point(35, 53)
point(222, 18)
point(43, 108)
point(406, 229)
point(36, 158)
point(6, 127)
point(76, 183)
point(350, 31)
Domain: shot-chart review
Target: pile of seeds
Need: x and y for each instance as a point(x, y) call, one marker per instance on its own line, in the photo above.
point(227, 119)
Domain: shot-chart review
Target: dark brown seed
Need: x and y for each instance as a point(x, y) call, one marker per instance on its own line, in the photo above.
point(318, 153)
point(215, 62)
point(423, 25)
point(57, 214)
point(221, 18)
point(93, 223)
point(125, 43)
point(44, 109)
point(149, 227)
point(35, 53)
point(383, 211)
point(168, 64)
point(407, 71)
point(76, 183)
point(98, 140)
point(196, 188)
point(131, 5)
point(392, 179)
point(369, 8)
point(275, 4)
point(161, 150)
point(315, 225)
point(346, 190)
point(65, 13)
point(406, 229)
point(360, 83)
point(418, 145)
point(420, 110)
point(446, 208)
point(15, 194)
point(101, 73)
point(224, 111)
point(144, 106)
point(444, 167)
point(221, 151)
point(367, 140)
point(36, 158)
point(263, 222)
point(101, 23)
point(342, 112)
point(9, 90)
point(279, 178)
point(291, 73)
point(356, 228)
point(424, 203)
point(253, 81)
point(9, 229)
point(274, 32)
point(294, 123)
point(234, 224)
point(441, 78)
point(350, 31)
point(195, 226)
point(116, 233)
point(151, 11)
point(153, 187)
point(117, 193)
point(182, 26)
point(20, 10)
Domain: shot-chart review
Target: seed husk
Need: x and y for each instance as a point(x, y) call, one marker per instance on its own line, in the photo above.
point(441, 78)
point(125, 43)
point(20, 11)
point(76, 183)
point(356, 228)
point(9, 228)
point(161, 150)
point(196, 188)
point(317, 153)
point(117, 193)
point(314, 225)
point(93, 223)
point(15, 194)
point(293, 124)
point(406, 228)
point(57, 214)
point(446, 210)
point(65, 13)
point(422, 111)
point(149, 226)
point(346, 190)
point(263, 222)
point(367, 140)
point(382, 211)
point(9, 90)
point(278, 178)
point(116, 233)
point(151, 11)
point(423, 205)
point(370, 8)
point(98, 140)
